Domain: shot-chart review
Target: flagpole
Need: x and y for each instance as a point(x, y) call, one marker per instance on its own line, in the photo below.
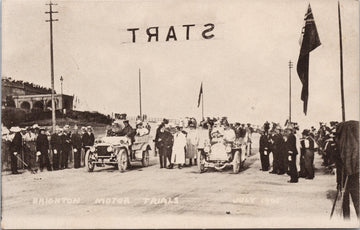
point(140, 93)
point(341, 68)
point(202, 102)
point(290, 66)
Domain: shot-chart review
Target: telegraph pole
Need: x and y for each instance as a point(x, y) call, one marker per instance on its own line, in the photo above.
point(51, 20)
point(61, 81)
point(290, 66)
point(341, 68)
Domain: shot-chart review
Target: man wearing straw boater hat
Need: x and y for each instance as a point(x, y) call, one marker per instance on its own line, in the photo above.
point(30, 147)
point(15, 148)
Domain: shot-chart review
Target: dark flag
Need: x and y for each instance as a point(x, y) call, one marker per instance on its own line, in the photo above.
point(310, 40)
point(200, 93)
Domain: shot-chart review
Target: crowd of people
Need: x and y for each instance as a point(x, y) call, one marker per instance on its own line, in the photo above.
point(177, 144)
point(337, 144)
point(279, 142)
point(36, 148)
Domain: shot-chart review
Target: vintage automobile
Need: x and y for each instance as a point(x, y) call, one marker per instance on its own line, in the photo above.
point(117, 151)
point(220, 154)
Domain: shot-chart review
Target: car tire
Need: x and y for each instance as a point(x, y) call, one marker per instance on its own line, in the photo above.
point(200, 163)
point(122, 160)
point(88, 162)
point(236, 162)
point(145, 158)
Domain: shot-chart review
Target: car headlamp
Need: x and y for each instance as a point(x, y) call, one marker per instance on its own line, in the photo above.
point(92, 149)
point(207, 149)
point(122, 142)
point(228, 149)
point(110, 149)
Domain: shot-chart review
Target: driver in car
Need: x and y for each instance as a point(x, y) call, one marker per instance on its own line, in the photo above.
point(229, 133)
point(141, 130)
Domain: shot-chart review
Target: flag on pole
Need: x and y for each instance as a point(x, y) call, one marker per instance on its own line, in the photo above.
point(200, 93)
point(310, 40)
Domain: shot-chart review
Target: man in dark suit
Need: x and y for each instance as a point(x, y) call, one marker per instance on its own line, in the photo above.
point(264, 151)
point(42, 147)
point(66, 150)
point(164, 143)
point(307, 158)
point(55, 143)
point(164, 122)
point(87, 139)
point(16, 148)
point(277, 144)
point(290, 148)
point(76, 143)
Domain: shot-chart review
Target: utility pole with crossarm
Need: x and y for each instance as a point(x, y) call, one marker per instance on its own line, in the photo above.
point(51, 20)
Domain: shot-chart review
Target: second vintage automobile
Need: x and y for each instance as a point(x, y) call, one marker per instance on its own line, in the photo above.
point(221, 154)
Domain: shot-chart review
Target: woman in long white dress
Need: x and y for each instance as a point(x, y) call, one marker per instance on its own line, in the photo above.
point(178, 154)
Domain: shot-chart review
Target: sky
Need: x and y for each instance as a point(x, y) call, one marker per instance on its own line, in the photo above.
point(244, 67)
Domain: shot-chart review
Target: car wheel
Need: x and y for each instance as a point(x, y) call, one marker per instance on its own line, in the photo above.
point(236, 162)
point(145, 159)
point(122, 160)
point(200, 163)
point(89, 165)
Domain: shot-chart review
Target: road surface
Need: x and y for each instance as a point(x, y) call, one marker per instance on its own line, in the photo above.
point(152, 197)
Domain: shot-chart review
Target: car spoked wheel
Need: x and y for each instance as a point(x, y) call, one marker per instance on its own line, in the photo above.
point(122, 159)
point(236, 162)
point(89, 165)
point(146, 158)
point(200, 163)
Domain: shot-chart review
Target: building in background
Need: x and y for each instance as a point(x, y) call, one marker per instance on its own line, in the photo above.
point(29, 96)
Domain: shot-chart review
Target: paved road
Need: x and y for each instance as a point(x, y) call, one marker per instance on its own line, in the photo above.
point(154, 197)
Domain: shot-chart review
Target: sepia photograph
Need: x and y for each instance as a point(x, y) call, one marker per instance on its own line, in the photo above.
point(179, 114)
